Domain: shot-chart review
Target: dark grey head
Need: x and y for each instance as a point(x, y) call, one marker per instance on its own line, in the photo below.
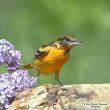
point(69, 41)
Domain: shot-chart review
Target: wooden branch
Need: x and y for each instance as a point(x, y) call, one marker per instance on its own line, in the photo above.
point(68, 97)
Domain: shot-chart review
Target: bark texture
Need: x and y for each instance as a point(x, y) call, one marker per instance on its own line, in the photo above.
point(68, 97)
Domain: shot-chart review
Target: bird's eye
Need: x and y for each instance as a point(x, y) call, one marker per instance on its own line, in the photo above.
point(67, 39)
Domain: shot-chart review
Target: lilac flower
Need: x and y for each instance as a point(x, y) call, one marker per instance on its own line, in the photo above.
point(12, 83)
point(9, 56)
point(17, 80)
point(13, 62)
point(5, 47)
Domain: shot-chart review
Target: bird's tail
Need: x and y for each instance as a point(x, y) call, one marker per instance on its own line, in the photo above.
point(27, 66)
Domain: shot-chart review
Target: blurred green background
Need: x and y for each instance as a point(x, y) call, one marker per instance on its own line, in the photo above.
point(28, 24)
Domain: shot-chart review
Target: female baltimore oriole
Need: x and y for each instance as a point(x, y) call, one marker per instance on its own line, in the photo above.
point(50, 58)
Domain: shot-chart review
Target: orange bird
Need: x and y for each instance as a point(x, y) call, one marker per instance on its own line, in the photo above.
point(50, 58)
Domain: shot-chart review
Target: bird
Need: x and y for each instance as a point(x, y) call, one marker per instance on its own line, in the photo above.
point(50, 58)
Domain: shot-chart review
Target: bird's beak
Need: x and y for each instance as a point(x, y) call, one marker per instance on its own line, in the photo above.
point(76, 42)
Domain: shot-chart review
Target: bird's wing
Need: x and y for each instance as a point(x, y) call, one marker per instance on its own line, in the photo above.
point(44, 50)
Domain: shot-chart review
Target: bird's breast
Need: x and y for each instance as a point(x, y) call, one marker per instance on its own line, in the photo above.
point(52, 62)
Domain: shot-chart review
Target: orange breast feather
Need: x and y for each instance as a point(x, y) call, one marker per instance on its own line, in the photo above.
point(52, 62)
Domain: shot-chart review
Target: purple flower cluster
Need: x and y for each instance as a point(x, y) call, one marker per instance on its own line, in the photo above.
point(14, 81)
point(9, 56)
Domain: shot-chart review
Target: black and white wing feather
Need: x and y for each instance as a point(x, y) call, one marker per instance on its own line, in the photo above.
point(42, 51)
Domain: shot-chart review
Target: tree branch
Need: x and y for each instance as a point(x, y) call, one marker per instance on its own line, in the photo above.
point(68, 97)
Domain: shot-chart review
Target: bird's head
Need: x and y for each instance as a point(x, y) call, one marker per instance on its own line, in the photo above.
point(69, 41)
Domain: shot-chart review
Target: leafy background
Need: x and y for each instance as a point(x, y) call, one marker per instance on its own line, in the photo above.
point(28, 24)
